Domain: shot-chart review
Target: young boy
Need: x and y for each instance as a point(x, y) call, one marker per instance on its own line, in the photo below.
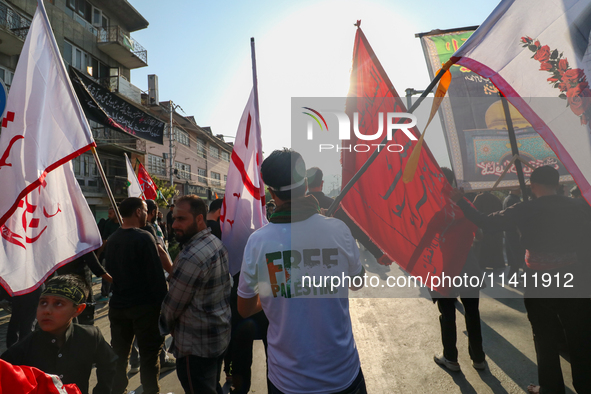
point(61, 347)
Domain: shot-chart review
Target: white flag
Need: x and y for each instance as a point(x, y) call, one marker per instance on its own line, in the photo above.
point(51, 226)
point(538, 53)
point(44, 125)
point(243, 210)
point(133, 185)
point(45, 221)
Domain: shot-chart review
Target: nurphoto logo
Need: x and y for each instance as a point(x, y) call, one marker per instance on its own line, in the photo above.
point(385, 121)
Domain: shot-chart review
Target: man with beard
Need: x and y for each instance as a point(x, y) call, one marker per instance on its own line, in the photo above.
point(138, 290)
point(196, 311)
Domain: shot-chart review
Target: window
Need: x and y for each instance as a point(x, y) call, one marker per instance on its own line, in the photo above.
point(215, 178)
point(202, 174)
point(82, 8)
point(156, 165)
point(225, 156)
point(96, 16)
point(99, 20)
point(184, 170)
point(85, 170)
point(201, 148)
point(84, 165)
point(214, 151)
point(6, 75)
point(181, 136)
point(84, 62)
point(225, 178)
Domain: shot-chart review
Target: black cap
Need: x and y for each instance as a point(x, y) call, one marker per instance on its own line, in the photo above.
point(545, 175)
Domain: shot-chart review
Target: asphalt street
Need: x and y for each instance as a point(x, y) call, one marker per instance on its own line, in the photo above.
point(398, 337)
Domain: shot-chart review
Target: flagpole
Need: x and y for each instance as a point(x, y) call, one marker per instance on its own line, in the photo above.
point(514, 147)
point(107, 187)
point(375, 154)
point(254, 79)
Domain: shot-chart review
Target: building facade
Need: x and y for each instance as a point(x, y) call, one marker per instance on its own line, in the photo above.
point(200, 160)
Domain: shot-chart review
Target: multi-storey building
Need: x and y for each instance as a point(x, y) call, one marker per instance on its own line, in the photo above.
point(94, 38)
point(200, 159)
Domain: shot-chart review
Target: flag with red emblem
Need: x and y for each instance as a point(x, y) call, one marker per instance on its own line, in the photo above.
point(243, 209)
point(149, 188)
point(45, 221)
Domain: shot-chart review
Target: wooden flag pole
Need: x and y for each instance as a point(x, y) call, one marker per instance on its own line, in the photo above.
point(375, 154)
point(514, 147)
point(514, 159)
point(107, 187)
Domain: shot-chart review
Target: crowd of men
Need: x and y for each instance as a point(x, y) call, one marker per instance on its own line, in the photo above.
point(214, 317)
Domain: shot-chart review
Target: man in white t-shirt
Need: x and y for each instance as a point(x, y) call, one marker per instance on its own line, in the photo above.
point(290, 270)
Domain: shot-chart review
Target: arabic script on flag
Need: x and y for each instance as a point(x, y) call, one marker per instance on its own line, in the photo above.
point(415, 224)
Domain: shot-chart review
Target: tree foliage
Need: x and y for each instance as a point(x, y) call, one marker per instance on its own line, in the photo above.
point(167, 191)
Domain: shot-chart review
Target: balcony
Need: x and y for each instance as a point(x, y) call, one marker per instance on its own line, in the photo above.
point(118, 44)
point(118, 84)
point(13, 30)
point(114, 141)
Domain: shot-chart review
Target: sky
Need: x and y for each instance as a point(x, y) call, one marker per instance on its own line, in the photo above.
point(201, 53)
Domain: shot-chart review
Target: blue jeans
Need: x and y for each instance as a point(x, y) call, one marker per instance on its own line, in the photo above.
point(200, 375)
point(357, 387)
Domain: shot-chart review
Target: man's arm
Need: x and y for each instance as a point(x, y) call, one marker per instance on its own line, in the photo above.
point(249, 306)
point(496, 221)
point(165, 259)
point(181, 290)
point(105, 366)
point(360, 274)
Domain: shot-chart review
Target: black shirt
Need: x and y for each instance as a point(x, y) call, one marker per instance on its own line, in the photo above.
point(324, 201)
point(72, 362)
point(216, 230)
point(81, 265)
point(133, 262)
point(547, 224)
point(511, 200)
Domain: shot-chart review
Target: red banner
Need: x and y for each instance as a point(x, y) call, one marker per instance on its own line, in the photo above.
point(146, 184)
point(415, 224)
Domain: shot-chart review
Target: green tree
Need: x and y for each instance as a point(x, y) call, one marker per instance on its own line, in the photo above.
point(167, 191)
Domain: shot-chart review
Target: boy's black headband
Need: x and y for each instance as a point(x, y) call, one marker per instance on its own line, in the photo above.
point(72, 293)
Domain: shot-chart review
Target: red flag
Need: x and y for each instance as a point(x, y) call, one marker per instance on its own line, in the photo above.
point(28, 380)
point(415, 224)
point(149, 188)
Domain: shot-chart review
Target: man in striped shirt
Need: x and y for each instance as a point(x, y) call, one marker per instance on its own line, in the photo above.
point(196, 310)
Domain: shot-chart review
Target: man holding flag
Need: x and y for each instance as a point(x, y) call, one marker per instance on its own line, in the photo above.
point(541, 65)
point(243, 212)
point(310, 338)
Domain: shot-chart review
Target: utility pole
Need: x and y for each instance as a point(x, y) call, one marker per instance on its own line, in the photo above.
point(170, 146)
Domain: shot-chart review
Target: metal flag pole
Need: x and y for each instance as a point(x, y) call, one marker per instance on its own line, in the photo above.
point(514, 147)
point(107, 187)
point(171, 109)
point(254, 80)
